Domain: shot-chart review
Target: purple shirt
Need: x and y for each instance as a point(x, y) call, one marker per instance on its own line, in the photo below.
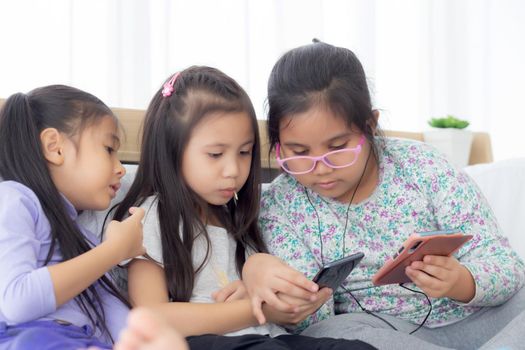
point(26, 288)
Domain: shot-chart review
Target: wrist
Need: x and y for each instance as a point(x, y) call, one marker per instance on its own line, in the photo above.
point(111, 250)
point(247, 305)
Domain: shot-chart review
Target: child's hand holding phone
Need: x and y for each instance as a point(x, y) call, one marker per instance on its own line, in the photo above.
point(442, 276)
point(426, 260)
point(302, 308)
point(265, 276)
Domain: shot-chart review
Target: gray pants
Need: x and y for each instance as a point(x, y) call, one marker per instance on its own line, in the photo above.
point(500, 327)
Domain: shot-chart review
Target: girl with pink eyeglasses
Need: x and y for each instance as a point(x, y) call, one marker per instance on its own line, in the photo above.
point(198, 182)
point(345, 189)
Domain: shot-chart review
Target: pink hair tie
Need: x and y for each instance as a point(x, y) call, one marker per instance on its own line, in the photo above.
point(168, 89)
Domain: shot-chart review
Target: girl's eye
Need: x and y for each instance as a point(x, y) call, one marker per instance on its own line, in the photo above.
point(246, 153)
point(110, 150)
point(214, 155)
point(300, 153)
point(338, 146)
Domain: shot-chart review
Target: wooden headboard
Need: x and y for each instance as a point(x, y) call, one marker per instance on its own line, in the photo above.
point(481, 151)
point(131, 119)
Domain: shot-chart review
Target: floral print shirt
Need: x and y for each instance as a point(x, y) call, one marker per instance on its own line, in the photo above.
point(418, 191)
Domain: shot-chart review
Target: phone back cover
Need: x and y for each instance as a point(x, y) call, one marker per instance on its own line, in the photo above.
point(394, 269)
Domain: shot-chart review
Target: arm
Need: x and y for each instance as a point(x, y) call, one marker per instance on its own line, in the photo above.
point(188, 318)
point(287, 241)
point(124, 240)
point(268, 276)
point(28, 289)
point(489, 272)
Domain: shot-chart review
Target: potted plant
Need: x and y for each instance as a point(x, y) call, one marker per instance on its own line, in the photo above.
point(450, 137)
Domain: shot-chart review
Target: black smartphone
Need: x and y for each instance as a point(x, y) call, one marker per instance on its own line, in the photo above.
point(334, 273)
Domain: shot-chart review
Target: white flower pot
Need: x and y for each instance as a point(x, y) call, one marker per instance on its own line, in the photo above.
point(454, 143)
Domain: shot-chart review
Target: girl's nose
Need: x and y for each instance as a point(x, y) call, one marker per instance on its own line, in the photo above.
point(120, 169)
point(232, 168)
point(321, 168)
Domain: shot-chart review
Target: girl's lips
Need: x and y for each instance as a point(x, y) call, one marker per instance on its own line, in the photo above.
point(115, 188)
point(326, 185)
point(227, 192)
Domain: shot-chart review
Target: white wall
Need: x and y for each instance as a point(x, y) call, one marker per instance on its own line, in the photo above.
point(424, 58)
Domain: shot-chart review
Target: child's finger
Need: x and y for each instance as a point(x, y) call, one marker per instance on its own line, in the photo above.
point(433, 270)
point(318, 298)
point(285, 287)
point(222, 294)
point(325, 293)
point(420, 278)
point(413, 275)
point(280, 305)
point(257, 310)
point(237, 294)
point(323, 296)
point(136, 213)
point(443, 261)
point(128, 340)
point(297, 278)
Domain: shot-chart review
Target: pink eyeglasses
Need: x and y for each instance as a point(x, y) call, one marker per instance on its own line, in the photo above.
point(341, 158)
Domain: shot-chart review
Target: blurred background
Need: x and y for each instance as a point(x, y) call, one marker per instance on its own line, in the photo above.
point(424, 58)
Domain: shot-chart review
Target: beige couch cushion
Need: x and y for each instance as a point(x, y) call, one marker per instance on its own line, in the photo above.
point(131, 119)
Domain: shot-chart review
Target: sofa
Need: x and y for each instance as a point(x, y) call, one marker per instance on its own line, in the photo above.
point(503, 184)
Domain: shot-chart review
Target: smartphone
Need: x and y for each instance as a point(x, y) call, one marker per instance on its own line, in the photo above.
point(443, 243)
point(334, 273)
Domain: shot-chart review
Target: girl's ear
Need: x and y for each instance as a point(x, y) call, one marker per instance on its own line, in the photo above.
point(52, 144)
point(372, 123)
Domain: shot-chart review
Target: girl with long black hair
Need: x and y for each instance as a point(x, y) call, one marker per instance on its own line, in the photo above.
point(58, 157)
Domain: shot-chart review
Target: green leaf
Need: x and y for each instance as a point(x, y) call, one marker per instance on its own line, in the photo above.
point(448, 122)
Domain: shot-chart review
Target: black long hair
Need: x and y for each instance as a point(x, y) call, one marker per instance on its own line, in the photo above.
point(169, 121)
point(320, 74)
point(22, 118)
